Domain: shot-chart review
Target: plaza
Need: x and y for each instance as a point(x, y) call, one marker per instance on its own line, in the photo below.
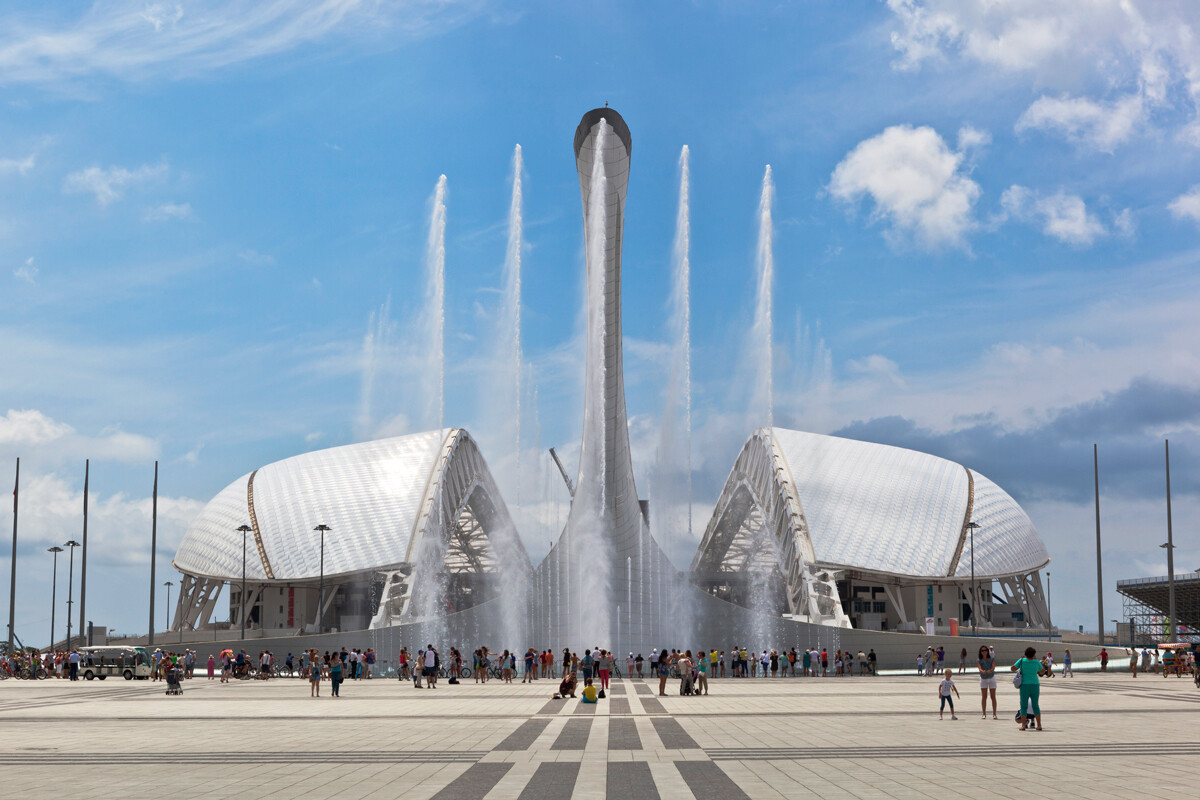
point(847, 737)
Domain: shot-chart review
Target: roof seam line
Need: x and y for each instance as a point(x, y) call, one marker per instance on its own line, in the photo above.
point(962, 535)
point(258, 539)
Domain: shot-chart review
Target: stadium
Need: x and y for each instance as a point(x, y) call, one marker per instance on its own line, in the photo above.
point(814, 540)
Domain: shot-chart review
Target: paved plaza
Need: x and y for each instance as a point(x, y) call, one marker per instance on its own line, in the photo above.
point(831, 738)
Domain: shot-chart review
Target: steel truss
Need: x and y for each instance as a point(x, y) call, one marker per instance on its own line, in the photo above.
point(758, 534)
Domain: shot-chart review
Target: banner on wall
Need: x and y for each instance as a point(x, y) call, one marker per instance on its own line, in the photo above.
point(929, 627)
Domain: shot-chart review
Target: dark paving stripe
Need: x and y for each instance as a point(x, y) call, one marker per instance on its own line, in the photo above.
point(618, 705)
point(973, 752)
point(366, 757)
point(574, 735)
point(673, 736)
point(524, 736)
point(616, 688)
point(476, 782)
point(623, 735)
point(706, 779)
point(585, 708)
point(653, 706)
point(630, 779)
point(552, 706)
point(552, 781)
point(642, 688)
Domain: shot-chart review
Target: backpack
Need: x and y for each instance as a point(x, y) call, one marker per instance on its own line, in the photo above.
point(600, 695)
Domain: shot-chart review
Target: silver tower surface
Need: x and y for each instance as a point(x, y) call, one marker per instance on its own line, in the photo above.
point(604, 581)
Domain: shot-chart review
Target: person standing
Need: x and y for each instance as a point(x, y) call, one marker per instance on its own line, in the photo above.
point(871, 658)
point(1133, 661)
point(664, 671)
point(1028, 668)
point(73, 660)
point(654, 662)
point(703, 663)
point(431, 665)
point(335, 676)
point(1066, 670)
point(212, 666)
point(962, 661)
point(944, 689)
point(987, 679)
point(605, 666)
point(1103, 659)
point(314, 678)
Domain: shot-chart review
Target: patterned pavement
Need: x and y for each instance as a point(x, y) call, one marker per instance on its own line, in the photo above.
point(755, 738)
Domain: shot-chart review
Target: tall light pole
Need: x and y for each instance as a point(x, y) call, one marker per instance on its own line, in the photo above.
point(53, 590)
point(242, 605)
point(972, 526)
point(1099, 568)
point(321, 529)
point(1049, 616)
point(70, 586)
point(1170, 546)
point(168, 584)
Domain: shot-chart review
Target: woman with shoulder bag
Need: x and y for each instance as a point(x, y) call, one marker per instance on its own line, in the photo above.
point(1026, 679)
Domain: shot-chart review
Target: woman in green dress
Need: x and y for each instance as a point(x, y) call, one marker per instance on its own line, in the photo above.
point(1029, 667)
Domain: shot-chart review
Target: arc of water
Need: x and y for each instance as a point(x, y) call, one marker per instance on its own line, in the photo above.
point(435, 260)
point(765, 263)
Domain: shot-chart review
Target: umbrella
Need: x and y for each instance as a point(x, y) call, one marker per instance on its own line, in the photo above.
point(230, 652)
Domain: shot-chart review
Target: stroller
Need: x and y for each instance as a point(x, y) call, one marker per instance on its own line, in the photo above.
point(173, 685)
point(687, 686)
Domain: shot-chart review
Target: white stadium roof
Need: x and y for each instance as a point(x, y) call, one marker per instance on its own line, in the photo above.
point(874, 508)
point(371, 495)
point(887, 509)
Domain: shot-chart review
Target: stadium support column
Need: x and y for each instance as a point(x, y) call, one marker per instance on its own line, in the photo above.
point(1099, 568)
point(153, 549)
point(83, 630)
point(12, 581)
point(1170, 545)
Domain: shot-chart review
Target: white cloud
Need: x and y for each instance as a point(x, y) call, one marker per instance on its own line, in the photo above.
point(256, 258)
point(1187, 205)
point(108, 184)
point(1134, 56)
point(969, 136)
point(1101, 126)
point(1063, 216)
point(168, 211)
point(1125, 225)
point(48, 439)
point(19, 165)
point(135, 40)
point(27, 272)
point(879, 367)
point(915, 182)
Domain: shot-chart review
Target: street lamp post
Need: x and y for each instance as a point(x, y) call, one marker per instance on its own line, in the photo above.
point(1049, 616)
point(53, 590)
point(70, 586)
point(168, 584)
point(242, 605)
point(1170, 548)
point(322, 529)
point(972, 526)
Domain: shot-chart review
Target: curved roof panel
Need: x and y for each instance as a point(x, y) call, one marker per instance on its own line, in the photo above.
point(887, 509)
point(1006, 543)
point(369, 494)
point(874, 506)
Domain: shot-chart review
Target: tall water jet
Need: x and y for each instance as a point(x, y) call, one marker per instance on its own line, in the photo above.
point(671, 486)
point(376, 344)
point(434, 317)
point(762, 409)
point(512, 310)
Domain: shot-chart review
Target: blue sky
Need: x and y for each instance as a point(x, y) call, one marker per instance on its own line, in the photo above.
point(986, 239)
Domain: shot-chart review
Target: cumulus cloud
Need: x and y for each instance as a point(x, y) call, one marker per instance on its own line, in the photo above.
point(1187, 205)
point(19, 165)
point(108, 184)
point(168, 211)
point(27, 272)
point(1136, 57)
point(50, 439)
point(136, 40)
point(915, 182)
point(1061, 215)
point(1052, 457)
point(1101, 126)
